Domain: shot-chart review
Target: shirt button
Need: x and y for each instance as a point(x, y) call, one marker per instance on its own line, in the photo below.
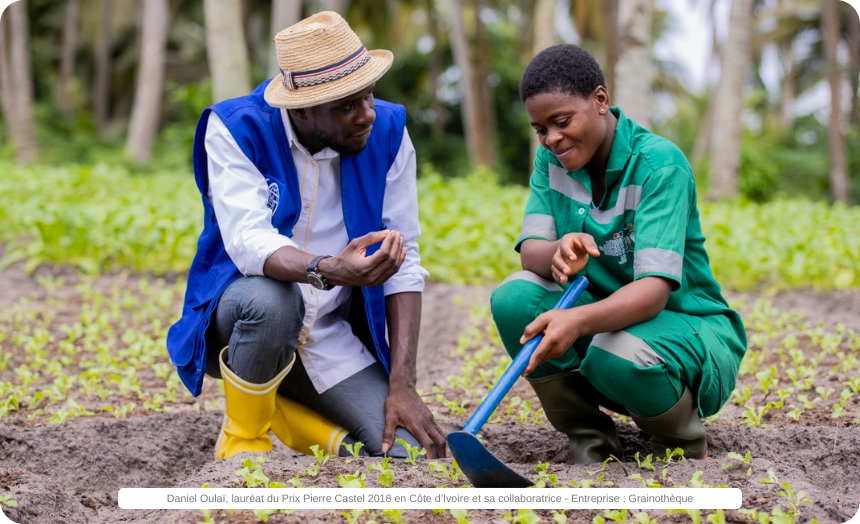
point(308, 206)
point(582, 211)
point(313, 163)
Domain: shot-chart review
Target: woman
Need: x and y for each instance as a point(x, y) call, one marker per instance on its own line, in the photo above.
point(652, 336)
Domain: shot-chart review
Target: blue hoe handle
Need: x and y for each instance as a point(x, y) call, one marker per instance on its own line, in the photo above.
point(519, 364)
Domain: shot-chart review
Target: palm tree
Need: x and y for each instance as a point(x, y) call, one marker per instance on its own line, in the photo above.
point(725, 135)
point(227, 50)
point(836, 142)
point(284, 14)
point(633, 71)
point(16, 78)
point(146, 112)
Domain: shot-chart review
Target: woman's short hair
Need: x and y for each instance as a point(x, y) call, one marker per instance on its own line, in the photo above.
point(562, 68)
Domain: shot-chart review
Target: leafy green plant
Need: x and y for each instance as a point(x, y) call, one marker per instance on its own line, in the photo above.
point(443, 472)
point(251, 475)
point(646, 463)
point(523, 516)
point(352, 449)
point(543, 477)
point(412, 452)
point(352, 481)
point(742, 461)
point(385, 475)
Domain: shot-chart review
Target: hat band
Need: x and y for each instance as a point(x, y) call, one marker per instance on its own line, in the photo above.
point(297, 79)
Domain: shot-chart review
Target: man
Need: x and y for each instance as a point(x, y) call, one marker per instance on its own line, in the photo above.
point(308, 251)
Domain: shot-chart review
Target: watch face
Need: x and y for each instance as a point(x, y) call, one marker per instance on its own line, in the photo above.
point(316, 281)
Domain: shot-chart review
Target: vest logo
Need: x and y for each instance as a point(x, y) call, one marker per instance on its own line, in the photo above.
point(620, 244)
point(274, 197)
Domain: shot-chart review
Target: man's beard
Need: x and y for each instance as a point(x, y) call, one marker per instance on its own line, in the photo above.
point(324, 138)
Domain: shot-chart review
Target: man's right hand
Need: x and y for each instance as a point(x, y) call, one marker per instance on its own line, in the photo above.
point(352, 267)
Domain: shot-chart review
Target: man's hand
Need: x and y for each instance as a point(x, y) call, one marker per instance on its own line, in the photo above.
point(572, 255)
point(404, 408)
point(353, 268)
point(561, 328)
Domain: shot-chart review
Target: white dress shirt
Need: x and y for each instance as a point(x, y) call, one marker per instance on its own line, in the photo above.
point(239, 194)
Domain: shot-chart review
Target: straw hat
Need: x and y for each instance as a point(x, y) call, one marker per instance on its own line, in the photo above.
point(321, 60)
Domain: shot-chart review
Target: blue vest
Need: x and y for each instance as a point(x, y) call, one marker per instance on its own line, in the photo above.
point(258, 128)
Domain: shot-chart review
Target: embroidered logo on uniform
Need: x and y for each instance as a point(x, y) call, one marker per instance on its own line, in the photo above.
point(274, 197)
point(620, 244)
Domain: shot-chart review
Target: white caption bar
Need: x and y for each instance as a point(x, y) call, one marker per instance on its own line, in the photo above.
point(429, 498)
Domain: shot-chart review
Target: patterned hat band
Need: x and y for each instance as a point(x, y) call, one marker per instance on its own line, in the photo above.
point(296, 79)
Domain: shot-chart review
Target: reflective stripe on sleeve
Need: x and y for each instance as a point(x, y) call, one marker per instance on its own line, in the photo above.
point(656, 260)
point(538, 225)
point(528, 276)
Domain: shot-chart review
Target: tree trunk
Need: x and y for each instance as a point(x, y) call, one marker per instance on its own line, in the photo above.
point(149, 84)
point(728, 103)
point(436, 64)
point(543, 29)
point(6, 81)
point(633, 71)
point(67, 56)
point(482, 85)
point(284, 14)
point(338, 6)
point(104, 45)
point(610, 43)
point(787, 91)
point(836, 142)
point(20, 84)
point(470, 109)
point(854, 64)
point(226, 49)
point(703, 140)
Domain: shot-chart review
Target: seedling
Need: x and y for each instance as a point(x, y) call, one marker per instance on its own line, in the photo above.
point(412, 452)
point(543, 479)
point(601, 474)
point(646, 463)
point(743, 461)
point(8, 501)
point(352, 449)
point(263, 514)
point(352, 481)
point(523, 516)
point(649, 483)
point(671, 454)
point(445, 473)
point(394, 516)
point(753, 416)
point(461, 515)
point(559, 517)
point(386, 475)
point(251, 475)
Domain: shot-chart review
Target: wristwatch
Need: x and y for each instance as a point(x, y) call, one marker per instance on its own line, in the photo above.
point(315, 278)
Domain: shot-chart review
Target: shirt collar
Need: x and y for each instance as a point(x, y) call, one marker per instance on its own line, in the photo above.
point(621, 148)
point(293, 140)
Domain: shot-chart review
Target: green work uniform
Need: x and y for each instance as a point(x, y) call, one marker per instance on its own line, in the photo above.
point(646, 224)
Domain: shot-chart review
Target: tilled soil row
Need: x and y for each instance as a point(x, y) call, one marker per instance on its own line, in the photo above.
point(72, 473)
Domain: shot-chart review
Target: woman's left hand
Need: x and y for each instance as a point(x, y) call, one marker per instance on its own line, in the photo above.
point(561, 328)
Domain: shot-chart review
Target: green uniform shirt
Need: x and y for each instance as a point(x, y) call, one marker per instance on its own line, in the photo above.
point(647, 223)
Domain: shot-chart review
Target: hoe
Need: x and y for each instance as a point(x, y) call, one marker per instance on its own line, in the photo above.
point(482, 467)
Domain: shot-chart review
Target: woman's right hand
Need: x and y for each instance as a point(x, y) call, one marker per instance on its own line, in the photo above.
point(571, 255)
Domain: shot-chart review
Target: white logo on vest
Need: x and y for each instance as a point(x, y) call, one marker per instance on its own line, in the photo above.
point(274, 197)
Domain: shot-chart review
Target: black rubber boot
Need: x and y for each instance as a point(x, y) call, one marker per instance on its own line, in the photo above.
point(680, 427)
point(571, 405)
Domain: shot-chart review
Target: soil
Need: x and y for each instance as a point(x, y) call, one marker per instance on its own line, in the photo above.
point(71, 472)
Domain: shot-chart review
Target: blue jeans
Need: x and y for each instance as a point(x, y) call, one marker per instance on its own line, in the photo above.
point(259, 320)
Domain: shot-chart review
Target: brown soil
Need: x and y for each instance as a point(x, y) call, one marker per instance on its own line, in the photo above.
point(71, 472)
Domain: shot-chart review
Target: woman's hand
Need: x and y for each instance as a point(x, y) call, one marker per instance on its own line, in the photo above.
point(561, 328)
point(572, 255)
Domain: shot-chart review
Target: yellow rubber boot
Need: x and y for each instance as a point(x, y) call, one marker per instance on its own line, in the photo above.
point(299, 428)
point(249, 411)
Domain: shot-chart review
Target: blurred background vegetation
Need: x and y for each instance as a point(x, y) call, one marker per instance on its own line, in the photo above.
point(108, 92)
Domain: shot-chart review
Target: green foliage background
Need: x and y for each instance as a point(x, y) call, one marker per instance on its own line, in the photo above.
point(106, 218)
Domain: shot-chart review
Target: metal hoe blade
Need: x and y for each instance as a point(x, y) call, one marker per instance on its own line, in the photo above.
point(483, 468)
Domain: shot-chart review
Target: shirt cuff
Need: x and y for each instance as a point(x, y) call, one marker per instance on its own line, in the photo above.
point(408, 281)
point(263, 245)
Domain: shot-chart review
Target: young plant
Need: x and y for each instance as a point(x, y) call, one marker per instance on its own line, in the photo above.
point(412, 452)
point(442, 471)
point(646, 463)
point(743, 461)
point(352, 481)
point(523, 516)
point(543, 478)
point(251, 475)
point(353, 449)
point(385, 476)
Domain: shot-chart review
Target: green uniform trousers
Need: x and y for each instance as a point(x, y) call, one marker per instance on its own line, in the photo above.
point(643, 368)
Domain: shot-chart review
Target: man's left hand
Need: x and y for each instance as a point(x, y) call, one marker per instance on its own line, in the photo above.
point(404, 408)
